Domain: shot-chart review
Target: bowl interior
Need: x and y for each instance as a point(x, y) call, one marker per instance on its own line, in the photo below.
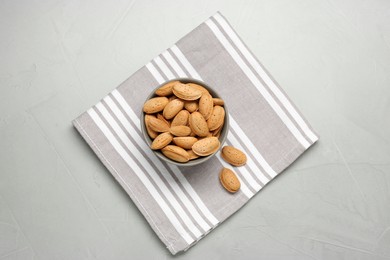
point(222, 137)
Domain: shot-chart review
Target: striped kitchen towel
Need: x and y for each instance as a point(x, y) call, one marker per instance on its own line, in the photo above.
point(183, 204)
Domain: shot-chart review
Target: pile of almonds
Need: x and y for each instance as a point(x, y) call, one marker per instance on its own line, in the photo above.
point(184, 121)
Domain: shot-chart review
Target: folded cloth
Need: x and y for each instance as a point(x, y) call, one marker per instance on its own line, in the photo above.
point(183, 204)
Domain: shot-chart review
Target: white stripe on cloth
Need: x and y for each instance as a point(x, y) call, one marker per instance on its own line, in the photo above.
point(164, 68)
point(256, 82)
point(154, 72)
point(251, 147)
point(139, 172)
point(149, 170)
point(185, 62)
point(174, 64)
point(264, 75)
point(237, 129)
point(246, 175)
point(179, 175)
point(249, 162)
point(141, 143)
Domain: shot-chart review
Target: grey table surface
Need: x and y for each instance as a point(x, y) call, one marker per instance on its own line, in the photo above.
point(58, 58)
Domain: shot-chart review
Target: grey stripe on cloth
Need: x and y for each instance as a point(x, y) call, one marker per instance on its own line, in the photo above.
point(183, 204)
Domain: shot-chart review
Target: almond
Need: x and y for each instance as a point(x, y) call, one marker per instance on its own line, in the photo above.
point(233, 156)
point(166, 90)
point(175, 153)
point(198, 87)
point(217, 131)
point(161, 141)
point(181, 118)
point(158, 125)
point(161, 117)
point(151, 133)
point(217, 118)
point(206, 146)
point(155, 105)
point(191, 106)
point(207, 136)
point(218, 102)
point(229, 180)
point(186, 92)
point(180, 130)
point(192, 155)
point(172, 108)
point(185, 142)
point(198, 124)
point(170, 98)
point(206, 105)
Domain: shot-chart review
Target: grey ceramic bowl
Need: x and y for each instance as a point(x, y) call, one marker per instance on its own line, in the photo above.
point(222, 137)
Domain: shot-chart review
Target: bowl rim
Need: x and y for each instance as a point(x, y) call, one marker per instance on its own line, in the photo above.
point(199, 160)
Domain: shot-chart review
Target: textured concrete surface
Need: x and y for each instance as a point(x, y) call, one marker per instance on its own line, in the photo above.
point(57, 201)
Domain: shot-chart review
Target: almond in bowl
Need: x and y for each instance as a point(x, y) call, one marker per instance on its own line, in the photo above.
point(184, 121)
